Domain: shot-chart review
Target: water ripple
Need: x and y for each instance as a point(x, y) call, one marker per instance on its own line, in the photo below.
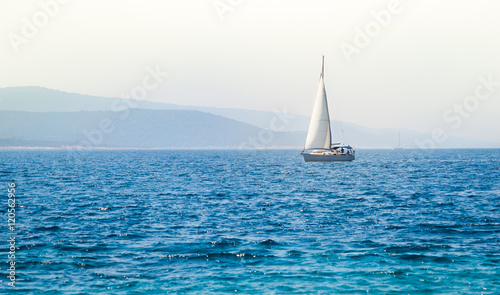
point(256, 222)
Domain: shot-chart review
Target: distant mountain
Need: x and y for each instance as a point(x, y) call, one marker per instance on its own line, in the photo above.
point(36, 116)
point(387, 138)
point(39, 99)
point(133, 128)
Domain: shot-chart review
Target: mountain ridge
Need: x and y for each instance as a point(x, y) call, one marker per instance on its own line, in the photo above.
point(138, 128)
point(34, 99)
point(285, 129)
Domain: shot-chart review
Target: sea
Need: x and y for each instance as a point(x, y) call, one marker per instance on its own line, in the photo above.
point(250, 222)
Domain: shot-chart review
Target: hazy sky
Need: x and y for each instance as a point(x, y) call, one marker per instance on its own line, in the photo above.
point(402, 64)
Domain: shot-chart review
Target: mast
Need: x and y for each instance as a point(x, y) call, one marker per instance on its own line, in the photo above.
point(326, 101)
point(323, 66)
point(319, 135)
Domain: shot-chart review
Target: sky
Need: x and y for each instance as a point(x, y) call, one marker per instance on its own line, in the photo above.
point(430, 66)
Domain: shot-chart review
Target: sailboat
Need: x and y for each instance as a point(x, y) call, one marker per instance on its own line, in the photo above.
point(318, 146)
point(399, 143)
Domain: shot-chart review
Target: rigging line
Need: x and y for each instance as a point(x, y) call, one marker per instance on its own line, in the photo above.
point(338, 125)
point(332, 111)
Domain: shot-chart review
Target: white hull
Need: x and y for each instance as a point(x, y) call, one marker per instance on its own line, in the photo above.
point(327, 157)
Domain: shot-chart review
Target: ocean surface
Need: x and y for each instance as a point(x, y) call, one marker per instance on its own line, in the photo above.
point(252, 222)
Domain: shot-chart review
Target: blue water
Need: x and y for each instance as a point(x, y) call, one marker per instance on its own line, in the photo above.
point(154, 222)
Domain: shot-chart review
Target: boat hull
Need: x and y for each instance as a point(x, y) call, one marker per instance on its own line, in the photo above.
point(328, 157)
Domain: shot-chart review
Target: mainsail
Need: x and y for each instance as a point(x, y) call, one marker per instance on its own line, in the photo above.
point(319, 134)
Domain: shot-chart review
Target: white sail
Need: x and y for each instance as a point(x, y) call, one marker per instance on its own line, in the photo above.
point(319, 133)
